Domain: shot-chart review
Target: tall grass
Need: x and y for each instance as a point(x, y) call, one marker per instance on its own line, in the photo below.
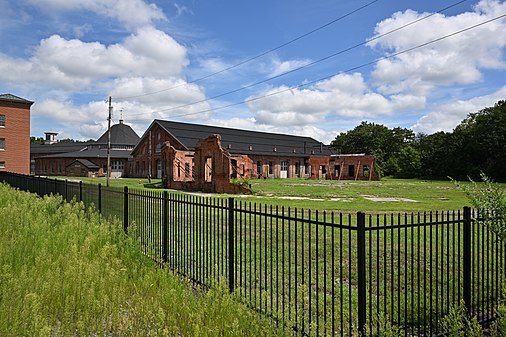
point(65, 271)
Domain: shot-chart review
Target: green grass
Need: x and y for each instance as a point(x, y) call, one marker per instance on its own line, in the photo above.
point(67, 272)
point(399, 195)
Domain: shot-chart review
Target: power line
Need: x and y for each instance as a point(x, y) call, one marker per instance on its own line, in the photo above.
point(311, 63)
point(341, 72)
point(256, 56)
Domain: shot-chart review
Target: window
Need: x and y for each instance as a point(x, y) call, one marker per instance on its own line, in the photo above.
point(2, 164)
point(259, 167)
point(2, 121)
point(271, 167)
point(351, 170)
point(2, 144)
point(118, 165)
point(284, 165)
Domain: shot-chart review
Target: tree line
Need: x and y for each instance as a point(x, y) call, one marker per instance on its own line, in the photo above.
point(477, 145)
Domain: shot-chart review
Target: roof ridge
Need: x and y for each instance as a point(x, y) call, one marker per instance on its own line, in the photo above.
point(14, 98)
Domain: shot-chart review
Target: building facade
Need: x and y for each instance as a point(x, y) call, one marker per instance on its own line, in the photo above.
point(200, 157)
point(14, 134)
point(86, 159)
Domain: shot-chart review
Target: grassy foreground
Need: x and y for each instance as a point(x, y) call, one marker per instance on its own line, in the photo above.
point(67, 272)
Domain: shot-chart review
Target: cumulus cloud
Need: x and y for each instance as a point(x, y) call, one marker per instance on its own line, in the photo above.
point(131, 13)
point(74, 64)
point(344, 95)
point(447, 116)
point(456, 60)
point(324, 136)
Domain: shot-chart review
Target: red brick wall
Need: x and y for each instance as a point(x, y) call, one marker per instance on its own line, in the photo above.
point(148, 152)
point(17, 137)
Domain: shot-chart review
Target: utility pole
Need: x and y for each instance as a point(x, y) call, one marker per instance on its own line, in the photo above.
point(109, 141)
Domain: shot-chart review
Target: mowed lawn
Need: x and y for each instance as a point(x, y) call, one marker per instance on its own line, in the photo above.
point(386, 195)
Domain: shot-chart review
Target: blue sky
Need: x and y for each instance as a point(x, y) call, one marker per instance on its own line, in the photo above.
point(157, 59)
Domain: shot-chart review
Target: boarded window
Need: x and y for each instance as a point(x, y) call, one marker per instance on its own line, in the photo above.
point(209, 169)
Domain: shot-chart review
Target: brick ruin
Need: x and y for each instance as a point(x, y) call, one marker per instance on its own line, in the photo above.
point(211, 168)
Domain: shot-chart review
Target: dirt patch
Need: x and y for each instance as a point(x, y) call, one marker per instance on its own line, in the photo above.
point(388, 199)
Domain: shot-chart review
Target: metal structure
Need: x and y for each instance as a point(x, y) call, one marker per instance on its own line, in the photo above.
point(318, 273)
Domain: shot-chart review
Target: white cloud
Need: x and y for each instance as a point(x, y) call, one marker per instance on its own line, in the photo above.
point(280, 67)
point(74, 64)
point(456, 60)
point(449, 115)
point(131, 13)
point(342, 95)
point(252, 124)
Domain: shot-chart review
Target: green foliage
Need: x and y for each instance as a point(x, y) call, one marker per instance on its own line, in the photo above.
point(240, 182)
point(498, 327)
point(383, 328)
point(36, 140)
point(65, 271)
point(375, 139)
point(490, 199)
point(481, 140)
point(477, 144)
point(457, 323)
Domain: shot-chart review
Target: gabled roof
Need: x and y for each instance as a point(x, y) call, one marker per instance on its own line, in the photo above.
point(237, 141)
point(91, 153)
point(121, 134)
point(38, 150)
point(14, 99)
point(86, 163)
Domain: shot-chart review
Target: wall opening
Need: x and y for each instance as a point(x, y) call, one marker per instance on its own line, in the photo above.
point(208, 170)
point(351, 170)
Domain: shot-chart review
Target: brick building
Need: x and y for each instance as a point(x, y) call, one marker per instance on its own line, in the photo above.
point(86, 158)
point(200, 157)
point(14, 134)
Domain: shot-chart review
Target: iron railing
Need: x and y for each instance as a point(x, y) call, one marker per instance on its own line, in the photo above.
point(318, 273)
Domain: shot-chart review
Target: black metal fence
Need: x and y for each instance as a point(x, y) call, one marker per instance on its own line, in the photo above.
point(319, 273)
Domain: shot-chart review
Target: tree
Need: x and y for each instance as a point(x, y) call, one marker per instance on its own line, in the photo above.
point(481, 142)
point(378, 140)
point(36, 140)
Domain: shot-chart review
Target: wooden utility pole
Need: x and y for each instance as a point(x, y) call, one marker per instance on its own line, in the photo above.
point(108, 175)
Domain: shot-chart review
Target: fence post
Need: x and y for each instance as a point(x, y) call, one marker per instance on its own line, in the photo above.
point(361, 271)
point(165, 227)
point(80, 190)
point(100, 198)
point(125, 209)
point(467, 259)
point(231, 218)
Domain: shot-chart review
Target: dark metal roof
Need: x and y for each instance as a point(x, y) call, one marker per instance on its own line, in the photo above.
point(93, 153)
point(86, 163)
point(15, 99)
point(238, 141)
point(121, 134)
point(37, 150)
